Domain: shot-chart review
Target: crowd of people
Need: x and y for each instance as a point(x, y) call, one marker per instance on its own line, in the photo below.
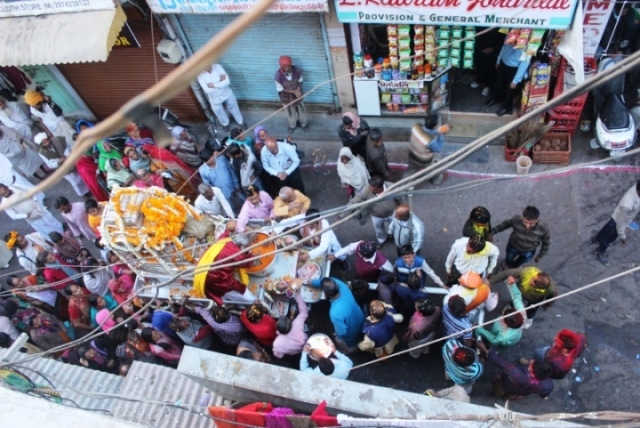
point(72, 284)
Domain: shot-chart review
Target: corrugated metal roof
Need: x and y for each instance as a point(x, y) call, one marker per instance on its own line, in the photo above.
point(60, 38)
point(158, 383)
point(65, 376)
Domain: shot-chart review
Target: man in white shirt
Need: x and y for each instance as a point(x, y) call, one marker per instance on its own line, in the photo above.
point(12, 116)
point(281, 161)
point(216, 84)
point(52, 158)
point(471, 254)
point(36, 214)
point(212, 201)
point(27, 250)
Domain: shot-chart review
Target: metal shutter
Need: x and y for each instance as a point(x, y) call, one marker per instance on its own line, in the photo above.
point(106, 86)
point(252, 60)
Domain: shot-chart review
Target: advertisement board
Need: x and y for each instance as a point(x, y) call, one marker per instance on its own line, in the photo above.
point(547, 14)
point(235, 6)
point(596, 16)
point(47, 7)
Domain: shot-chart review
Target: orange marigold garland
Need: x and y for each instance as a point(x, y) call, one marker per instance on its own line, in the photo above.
point(13, 236)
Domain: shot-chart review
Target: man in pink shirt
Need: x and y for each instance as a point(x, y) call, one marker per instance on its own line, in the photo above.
point(258, 205)
point(291, 336)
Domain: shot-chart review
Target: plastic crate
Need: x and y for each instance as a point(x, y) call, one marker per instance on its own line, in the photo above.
point(510, 155)
point(551, 157)
point(564, 111)
point(580, 100)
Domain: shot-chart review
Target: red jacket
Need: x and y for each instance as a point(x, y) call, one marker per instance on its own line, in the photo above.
point(560, 363)
point(264, 330)
point(221, 280)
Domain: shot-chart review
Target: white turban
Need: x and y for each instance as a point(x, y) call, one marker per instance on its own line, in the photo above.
point(39, 138)
point(176, 131)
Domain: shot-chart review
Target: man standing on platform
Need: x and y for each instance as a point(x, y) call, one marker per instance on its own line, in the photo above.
point(289, 86)
point(216, 84)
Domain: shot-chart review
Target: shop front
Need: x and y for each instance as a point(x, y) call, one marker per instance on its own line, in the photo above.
point(423, 57)
point(293, 28)
point(133, 66)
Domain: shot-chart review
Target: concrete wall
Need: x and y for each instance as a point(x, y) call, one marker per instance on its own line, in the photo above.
point(248, 381)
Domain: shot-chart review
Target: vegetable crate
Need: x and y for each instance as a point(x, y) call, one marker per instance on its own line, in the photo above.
point(550, 149)
point(510, 155)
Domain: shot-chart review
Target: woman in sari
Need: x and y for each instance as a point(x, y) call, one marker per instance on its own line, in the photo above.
point(106, 152)
point(179, 178)
point(87, 168)
point(137, 136)
point(120, 288)
point(99, 354)
point(260, 134)
point(185, 147)
point(79, 309)
point(55, 270)
point(162, 346)
point(67, 248)
point(352, 172)
point(144, 179)
point(118, 174)
point(39, 295)
point(95, 277)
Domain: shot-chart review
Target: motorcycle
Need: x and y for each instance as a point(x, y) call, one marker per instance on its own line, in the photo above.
point(614, 130)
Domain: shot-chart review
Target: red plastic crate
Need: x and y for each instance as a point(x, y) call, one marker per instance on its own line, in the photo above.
point(564, 111)
point(510, 155)
point(559, 88)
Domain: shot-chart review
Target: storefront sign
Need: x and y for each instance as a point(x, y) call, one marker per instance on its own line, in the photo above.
point(596, 16)
point(400, 84)
point(47, 7)
point(548, 14)
point(126, 39)
point(235, 6)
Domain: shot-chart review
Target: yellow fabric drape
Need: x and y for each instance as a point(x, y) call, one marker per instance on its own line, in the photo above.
point(207, 258)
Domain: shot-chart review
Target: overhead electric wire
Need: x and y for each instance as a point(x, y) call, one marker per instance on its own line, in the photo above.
point(138, 107)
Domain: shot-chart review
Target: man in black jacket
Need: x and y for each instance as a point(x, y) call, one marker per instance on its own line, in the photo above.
point(529, 233)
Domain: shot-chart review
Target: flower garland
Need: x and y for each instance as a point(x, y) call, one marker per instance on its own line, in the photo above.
point(13, 236)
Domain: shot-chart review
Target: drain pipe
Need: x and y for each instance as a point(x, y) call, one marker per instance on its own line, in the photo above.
point(171, 26)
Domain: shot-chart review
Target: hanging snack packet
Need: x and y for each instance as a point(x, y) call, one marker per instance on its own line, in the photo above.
point(512, 37)
point(403, 30)
point(455, 53)
point(444, 32)
point(418, 29)
point(456, 32)
point(536, 36)
point(456, 44)
point(521, 42)
point(469, 44)
point(429, 29)
point(392, 30)
point(532, 48)
point(467, 63)
point(404, 43)
point(467, 54)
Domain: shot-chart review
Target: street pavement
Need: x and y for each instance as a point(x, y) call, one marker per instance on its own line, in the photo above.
point(575, 204)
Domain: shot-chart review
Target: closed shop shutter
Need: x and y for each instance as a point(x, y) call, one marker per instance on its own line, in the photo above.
point(106, 86)
point(252, 61)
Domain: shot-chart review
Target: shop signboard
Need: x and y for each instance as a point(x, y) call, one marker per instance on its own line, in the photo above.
point(596, 16)
point(47, 7)
point(547, 14)
point(126, 39)
point(235, 6)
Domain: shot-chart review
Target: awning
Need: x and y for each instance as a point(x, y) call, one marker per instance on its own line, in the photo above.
point(61, 38)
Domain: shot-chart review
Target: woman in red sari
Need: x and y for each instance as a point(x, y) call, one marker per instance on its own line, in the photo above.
point(87, 168)
point(79, 309)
